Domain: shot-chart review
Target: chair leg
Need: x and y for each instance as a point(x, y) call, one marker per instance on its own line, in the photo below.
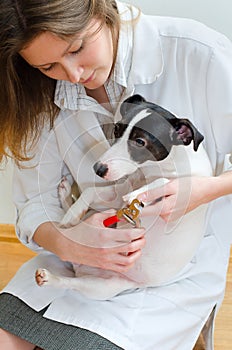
point(207, 332)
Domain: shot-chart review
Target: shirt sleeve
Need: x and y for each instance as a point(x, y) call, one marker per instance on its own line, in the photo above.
point(35, 192)
point(219, 96)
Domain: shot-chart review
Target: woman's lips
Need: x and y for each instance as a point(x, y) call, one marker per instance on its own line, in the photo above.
point(89, 79)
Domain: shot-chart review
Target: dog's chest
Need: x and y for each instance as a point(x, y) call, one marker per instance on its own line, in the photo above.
point(181, 161)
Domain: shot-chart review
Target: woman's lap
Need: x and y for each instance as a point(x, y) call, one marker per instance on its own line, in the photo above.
point(19, 319)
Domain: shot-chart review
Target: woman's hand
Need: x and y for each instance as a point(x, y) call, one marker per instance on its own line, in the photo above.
point(179, 196)
point(92, 244)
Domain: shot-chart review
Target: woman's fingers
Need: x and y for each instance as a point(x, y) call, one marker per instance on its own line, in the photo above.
point(133, 246)
point(155, 209)
point(111, 253)
point(123, 262)
point(120, 258)
point(154, 195)
point(170, 201)
point(128, 261)
point(125, 235)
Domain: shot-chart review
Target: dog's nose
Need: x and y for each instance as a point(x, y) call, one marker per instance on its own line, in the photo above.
point(100, 169)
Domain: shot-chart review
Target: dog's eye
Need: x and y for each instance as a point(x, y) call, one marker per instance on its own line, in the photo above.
point(140, 142)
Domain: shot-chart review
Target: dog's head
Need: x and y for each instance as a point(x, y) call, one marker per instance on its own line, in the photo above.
point(147, 132)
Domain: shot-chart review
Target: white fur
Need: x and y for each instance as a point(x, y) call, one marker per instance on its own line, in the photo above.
point(169, 246)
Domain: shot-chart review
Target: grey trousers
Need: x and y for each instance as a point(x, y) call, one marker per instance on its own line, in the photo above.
point(18, 318)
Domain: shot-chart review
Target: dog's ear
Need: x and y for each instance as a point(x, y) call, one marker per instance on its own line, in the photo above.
point(130, 102)
point(186, 132)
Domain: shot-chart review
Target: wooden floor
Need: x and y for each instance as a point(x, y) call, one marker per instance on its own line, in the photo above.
point(13, 254)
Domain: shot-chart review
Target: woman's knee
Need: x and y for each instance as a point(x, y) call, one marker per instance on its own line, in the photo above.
point(9, 341)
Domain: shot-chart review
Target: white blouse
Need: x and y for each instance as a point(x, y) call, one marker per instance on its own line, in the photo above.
point(187, 68)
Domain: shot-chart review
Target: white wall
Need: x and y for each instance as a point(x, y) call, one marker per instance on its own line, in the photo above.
point(214, 13)
point(7, 210)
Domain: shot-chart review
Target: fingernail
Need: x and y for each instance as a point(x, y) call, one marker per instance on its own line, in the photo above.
point(142, 197)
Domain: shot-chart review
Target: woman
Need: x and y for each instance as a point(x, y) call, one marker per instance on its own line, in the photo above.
point(65, 69)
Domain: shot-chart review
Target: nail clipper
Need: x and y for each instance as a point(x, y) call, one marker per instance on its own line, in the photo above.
point(130, 214)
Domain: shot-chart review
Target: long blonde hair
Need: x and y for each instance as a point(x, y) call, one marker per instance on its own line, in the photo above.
point(26, 95)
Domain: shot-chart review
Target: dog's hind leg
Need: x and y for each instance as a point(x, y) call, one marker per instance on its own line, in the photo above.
point(93, 287)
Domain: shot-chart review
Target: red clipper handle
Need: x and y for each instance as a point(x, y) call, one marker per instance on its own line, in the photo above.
point(111, 221)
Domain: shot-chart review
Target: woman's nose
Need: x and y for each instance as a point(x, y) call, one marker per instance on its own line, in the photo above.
point(73, 72)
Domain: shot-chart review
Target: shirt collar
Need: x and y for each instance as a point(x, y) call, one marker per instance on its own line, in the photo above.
point(143, 40)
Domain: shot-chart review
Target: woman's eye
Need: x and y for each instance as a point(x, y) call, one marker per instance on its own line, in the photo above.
point(47, 69)
point(140, 142)
point(76, 52)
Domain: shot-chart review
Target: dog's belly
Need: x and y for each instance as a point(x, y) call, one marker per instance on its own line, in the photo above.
point(169, 248)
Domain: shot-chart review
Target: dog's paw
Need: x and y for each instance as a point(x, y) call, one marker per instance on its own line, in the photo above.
point(64, 188)
point(129, 197)
point(42, 277)
point(70, 219)
point(65, 193)
point(75, 212)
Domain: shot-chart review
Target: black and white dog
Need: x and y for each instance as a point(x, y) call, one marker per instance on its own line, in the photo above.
point(163, 147)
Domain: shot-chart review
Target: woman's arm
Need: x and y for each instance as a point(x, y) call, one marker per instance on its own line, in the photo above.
point(182, 195)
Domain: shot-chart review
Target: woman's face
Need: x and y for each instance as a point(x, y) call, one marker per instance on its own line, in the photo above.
point(86, 59)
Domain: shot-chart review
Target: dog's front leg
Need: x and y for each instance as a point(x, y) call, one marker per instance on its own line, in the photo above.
point(79, 208)
point(129, 197)
point(107, 196)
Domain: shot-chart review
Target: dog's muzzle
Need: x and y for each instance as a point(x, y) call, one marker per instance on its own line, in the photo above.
point(100, 169)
